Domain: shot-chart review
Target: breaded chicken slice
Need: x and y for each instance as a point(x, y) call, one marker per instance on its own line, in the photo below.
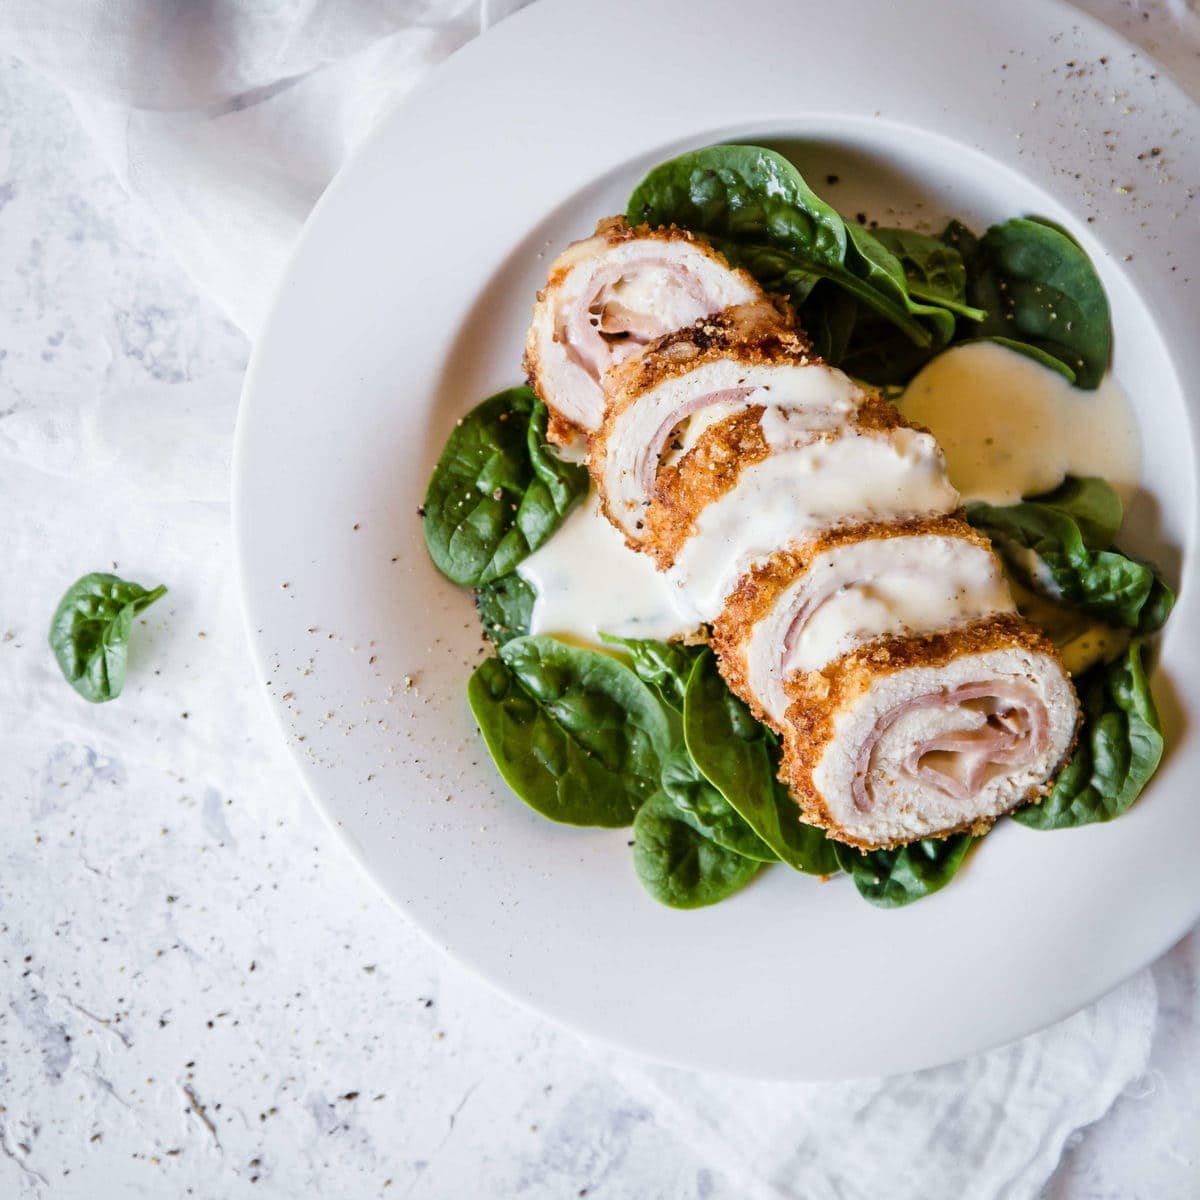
point(802, 608)
point(914, 737)
point(608, 296)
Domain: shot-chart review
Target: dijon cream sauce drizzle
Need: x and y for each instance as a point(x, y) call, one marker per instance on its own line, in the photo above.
point(1011, 427)
point(589, 582)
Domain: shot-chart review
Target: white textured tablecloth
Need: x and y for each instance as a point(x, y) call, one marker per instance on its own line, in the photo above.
point(202, 996)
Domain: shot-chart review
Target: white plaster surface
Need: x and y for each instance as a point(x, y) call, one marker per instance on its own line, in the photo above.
point(199, 993)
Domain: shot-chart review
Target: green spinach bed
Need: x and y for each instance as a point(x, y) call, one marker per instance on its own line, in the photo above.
point(646, 733)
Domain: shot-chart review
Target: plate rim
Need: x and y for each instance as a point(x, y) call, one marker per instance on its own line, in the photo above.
point(531, 16)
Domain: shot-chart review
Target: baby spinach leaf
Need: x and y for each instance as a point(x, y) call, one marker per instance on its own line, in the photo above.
point(1038, 287)
point(829, 317)
point(665, 666)
point(89, 633)
point(498, 491)
point(706, 810)
point(679, 866)
point(1038, 356)
point(1091, 504)
point(870, 260)
point(757, 209)
point(505, 607)
point(740, 758)
point(878, 353)
point(1069, 531)
point(893, 878)
point(961, 239)
point(575, 733)
point(1119, 748)
point(933, 269)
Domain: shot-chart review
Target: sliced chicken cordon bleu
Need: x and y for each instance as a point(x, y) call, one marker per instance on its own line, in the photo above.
point(817, 531)
point(913, 737)
point(911, 699)
point(729, 440)
point(608, 296)
point(802, 608)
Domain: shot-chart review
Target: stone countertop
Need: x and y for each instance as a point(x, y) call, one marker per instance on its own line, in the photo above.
point(203, 996)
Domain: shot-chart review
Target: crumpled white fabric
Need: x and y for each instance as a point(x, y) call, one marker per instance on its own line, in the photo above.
point(227, 120)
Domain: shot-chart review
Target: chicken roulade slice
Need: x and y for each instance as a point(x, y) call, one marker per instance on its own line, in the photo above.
point(805, 607)
point(855, 475)
point(735, 381)
point(608, 296)
point(907, 738)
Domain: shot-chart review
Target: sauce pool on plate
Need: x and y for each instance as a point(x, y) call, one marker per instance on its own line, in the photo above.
point(1011, 427)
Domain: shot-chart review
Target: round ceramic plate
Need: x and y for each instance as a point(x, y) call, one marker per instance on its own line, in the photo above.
point(406, 304)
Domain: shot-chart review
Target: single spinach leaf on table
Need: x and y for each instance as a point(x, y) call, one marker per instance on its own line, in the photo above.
point(740, 758)
point(574, 732)
point(1119, 748)
point(679, 866)
point(893, 878)
point(756, 208)
point(1069, 531)
point(706, 810)
point(664, 666)
point(1039, 288)
point(505, 607)
point(498, 491)
point(89, 633)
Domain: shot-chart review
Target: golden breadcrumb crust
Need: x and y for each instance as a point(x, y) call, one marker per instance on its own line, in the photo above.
point(713, 466)
point(758, 334)
point(818, 697)
point(614, 230)
point(756, 594)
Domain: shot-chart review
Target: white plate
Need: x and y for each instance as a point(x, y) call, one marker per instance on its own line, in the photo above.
point(405, 305)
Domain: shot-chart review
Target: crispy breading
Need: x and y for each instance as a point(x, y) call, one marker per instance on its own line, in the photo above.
point(760, 334)
point(819, 696)
point(712, 467)
point(757, 592)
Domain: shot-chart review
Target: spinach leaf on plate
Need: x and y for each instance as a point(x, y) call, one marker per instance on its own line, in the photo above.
point(498, 490)
point(1068, 532)
point(706, 810)
point(505, 607)
point(89, 633)
point(574, 732)
point(893, 878)
point(933, 268)
point(1040, 289)
point(1119, 748)
point(740, 758)
point(756, 208)
point(679, 866)
point(665, 666)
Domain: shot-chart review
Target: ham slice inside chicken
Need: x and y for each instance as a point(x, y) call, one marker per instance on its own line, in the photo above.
point(607, 297)
point(605, 325)
point(998, 724)
point(797, 401)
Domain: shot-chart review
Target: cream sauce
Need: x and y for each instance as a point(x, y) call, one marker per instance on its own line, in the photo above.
point(794, 492)
point(858, 591)
point(1011, 427)
point(589, 582)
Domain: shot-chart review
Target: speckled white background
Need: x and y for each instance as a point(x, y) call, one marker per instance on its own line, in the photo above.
point(200, 994)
